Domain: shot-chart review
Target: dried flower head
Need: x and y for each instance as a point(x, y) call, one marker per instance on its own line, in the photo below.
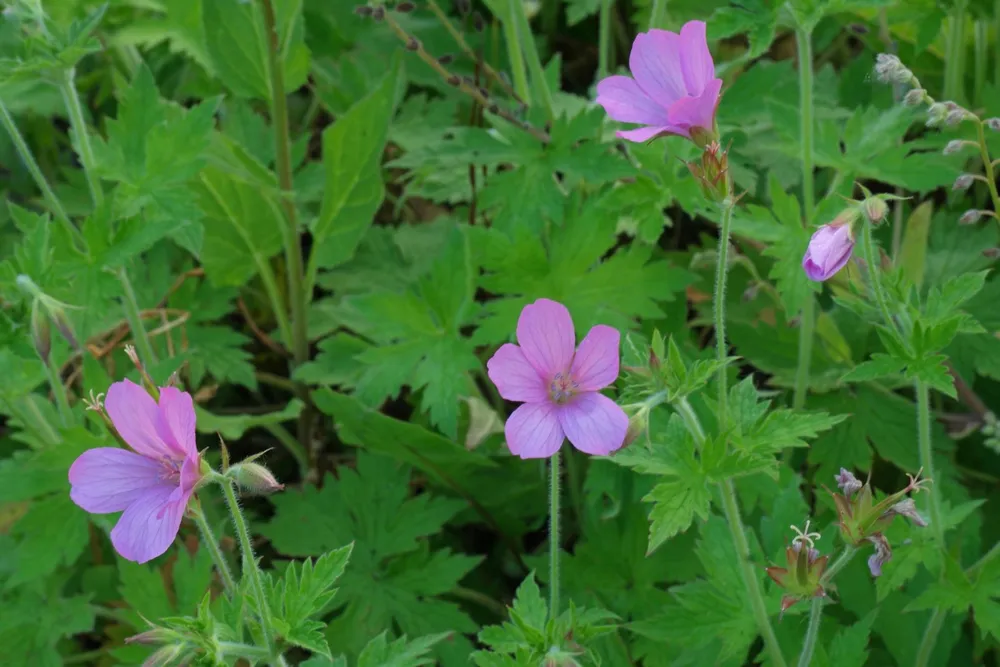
point(848, 483)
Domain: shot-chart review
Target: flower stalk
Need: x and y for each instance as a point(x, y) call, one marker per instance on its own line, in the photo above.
point(208, 539)
point(816, 609)
point(554, 536)
point(808, 316)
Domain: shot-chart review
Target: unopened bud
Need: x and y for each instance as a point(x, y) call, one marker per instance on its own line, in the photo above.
point(454, 80)
point(378, 13)
point(993, 124)
point(463, 7)
point(478, 22)
point(363, 10)
point(963, 182)
point(41, 335)
point(751, 292)
point(405, 7)
point(153, 637)
point(914, 97)
point(446, 59)
point(953, 146)
point(413, 44)
point(991, 253)
point(970, 217)
point(637, 425)
point(875, 209)
point(955, 117)
point(254, 477)
point(163, 657)
point(936, 114)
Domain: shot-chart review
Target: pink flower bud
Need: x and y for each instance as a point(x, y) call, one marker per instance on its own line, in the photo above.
point(41, 335)
point(954, 146)
point(963, 182)
point(970, 217)
point(875, 209)
point(829, 250)
point(955, 117)
point(936, 114)
point(993, 124)
point(254, 477)
point(914, 97)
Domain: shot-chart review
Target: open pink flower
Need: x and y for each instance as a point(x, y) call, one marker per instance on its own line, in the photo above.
point(559, 384)
point(150, 486)
point(829, 251)
point(674, 89)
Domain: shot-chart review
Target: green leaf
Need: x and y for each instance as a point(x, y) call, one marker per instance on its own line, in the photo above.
point(677, 501)
point(787, 250)
point(380, 652)
point(52, 533)
point(352, 161)
point(236, 41)
point(913, 252)
point(879, 366)
point(34, 622)
point(304, 591)
point(850, 646)
point(232, 427)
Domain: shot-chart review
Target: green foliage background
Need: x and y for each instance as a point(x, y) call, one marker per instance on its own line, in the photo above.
point(428, 223)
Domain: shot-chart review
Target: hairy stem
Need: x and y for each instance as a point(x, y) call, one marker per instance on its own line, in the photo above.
point(807, 321)
point(719, 321)
point(554, 536)
point(604, 39)
point(55, 206)
point(59, 391)
point(927, 459)
point(134, 318)
point(252, 571)
point(871, 259)
point(930, 638)
point(984, 152)
point(816, 609)
point(208, 539)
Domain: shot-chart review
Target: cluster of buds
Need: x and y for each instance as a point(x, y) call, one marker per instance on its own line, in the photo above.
point(864, 520)
point(802, 578)
point(890, 69)
point(712, 171)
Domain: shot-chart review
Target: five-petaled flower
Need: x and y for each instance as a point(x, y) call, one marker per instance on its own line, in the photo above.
point(674, 89)
point(559, 385)
point(152, 485)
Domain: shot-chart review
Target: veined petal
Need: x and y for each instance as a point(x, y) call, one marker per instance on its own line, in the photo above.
point(655, 62)
point(514, 377)
point(533, 431)
point(148, 527)
point(644, 134)
point(108, 479)
point(697, 111)
point(594, 423)
point(545, 332)
point(625, 101)
point(595, 364)
point(696, 60)
point(136, 415)
point(176, 422)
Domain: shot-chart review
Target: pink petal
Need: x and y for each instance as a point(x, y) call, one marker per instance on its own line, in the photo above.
point(655, 62)
point(624, 101)
point(545, 332)
point(595, 364)
point(533, 431)
point(176, 423)
point(696, 59)
point(136, 415)
point(644, 134)
point(514, 377)
point(594, 423)
point(697, 111)
point(107, 479)
point(148, 527)
point(190, 473)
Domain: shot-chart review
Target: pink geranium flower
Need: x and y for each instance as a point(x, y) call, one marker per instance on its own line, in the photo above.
point(674, 89)
point(829, 251)
point(150, 486)
point(559, 384)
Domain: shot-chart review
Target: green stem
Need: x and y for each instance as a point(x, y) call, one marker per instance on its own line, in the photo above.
point(807, 321)
point(868, 247)
point(816, 609)
point(930, 638)
point(738, 531)
point(604, 40)
point(658, 14)
point(72, 99)
point(996, 54)
point(721, 273)
point(927, 459)
point(554, 536)
point(252, 571)
point(984, 153)
point(59, 391)
point(134, 318)
point(534, 60)
point(208, 539)
point(511, 35)
point(297, 296)
point(36, 173)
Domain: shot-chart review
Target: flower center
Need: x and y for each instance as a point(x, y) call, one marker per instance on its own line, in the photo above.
point(562, 388)
point(170, 471)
